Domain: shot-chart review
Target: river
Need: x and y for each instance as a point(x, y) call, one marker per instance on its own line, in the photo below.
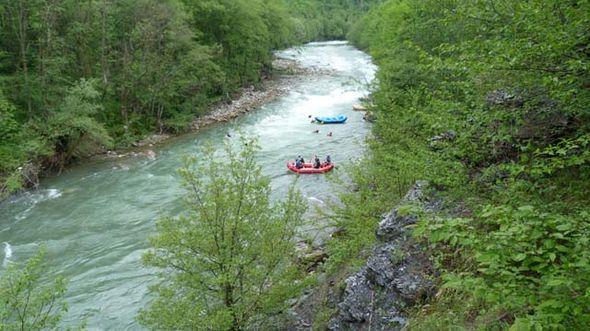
point(95, 218)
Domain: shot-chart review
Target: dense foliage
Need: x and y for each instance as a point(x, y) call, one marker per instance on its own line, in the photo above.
point(138, 67)
point(228, 261)
point(326, 19)
point(488, 100)
point(26, 303)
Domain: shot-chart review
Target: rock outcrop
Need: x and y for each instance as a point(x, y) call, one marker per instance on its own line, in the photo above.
point(447, 136)
point(396, 275)
point(504, 98)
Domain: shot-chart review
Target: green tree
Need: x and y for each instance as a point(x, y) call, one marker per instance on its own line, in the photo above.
point(72, 129)
point(228, 260)
point(16, 145)
point(27, 304)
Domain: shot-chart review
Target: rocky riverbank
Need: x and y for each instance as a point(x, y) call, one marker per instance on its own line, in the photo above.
point(396, 276)
point(246, 99)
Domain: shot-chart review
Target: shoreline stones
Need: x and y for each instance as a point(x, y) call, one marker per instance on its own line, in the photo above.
point(359, 107)
point(247, 99)
point(152, 140)
point(150, 154)
point(369, 117)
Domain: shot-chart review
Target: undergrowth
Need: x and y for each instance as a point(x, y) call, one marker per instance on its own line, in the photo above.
point(488, 102)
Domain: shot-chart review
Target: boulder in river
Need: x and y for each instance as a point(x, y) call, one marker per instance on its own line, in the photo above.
point(359, 107)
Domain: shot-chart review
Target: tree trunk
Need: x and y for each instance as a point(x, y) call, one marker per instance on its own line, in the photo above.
point(22, 22)
point(124, 90)
point(45, 47)
point(228, 300)
point(103, 46)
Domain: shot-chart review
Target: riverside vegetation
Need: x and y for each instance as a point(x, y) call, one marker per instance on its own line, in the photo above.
point(487, 100)
point(77, 77)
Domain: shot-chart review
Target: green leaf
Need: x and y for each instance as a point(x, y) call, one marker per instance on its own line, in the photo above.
point(519, 257)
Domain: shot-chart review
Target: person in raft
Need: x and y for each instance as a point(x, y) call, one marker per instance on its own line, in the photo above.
point(328, 159)
point(299, 162)
point(316, 162)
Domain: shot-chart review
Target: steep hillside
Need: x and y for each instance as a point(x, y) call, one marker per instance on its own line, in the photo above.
point(488, 101)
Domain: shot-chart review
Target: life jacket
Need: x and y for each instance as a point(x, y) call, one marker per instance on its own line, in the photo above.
point(316, 163)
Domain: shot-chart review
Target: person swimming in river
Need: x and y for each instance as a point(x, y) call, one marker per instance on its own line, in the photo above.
point(330, 134)
point(316, 131)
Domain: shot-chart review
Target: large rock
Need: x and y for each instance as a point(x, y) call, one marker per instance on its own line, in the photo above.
point(394, 225)
point(381, 266)
point(504, 98)
point(395, 276)
point(356, 306)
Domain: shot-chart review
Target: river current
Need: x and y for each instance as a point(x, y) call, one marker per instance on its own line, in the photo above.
point(94, 219)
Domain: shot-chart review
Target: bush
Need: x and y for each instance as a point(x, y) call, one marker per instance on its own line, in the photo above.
point(27, 304)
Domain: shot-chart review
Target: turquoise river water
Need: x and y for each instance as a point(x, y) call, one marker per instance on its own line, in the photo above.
point(94, 219)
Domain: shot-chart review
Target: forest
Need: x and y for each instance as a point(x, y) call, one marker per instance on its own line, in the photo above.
point(80, 77)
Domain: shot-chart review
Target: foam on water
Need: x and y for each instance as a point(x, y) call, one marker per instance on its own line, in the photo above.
point(53, 193)
point(33, 198)
point(37, 196)
point(314, 199)
point(328, 43)
point(7, 254)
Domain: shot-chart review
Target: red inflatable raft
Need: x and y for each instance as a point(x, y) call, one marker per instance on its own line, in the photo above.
point(309, 169)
